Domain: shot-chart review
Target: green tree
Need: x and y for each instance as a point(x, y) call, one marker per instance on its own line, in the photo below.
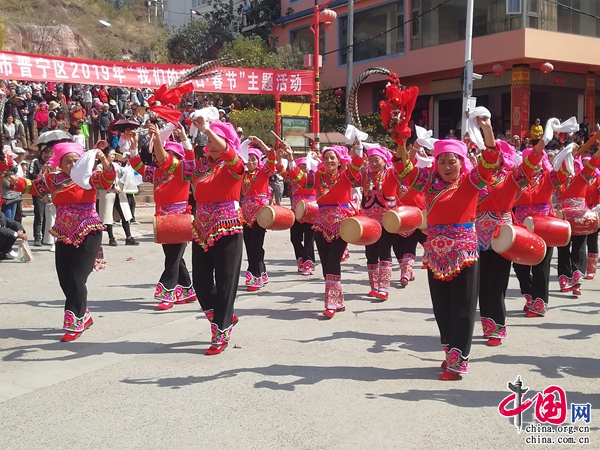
point(196, 42)
point(2, 35)
point(260, 18)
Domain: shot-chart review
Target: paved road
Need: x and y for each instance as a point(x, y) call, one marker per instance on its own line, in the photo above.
point(368, 379)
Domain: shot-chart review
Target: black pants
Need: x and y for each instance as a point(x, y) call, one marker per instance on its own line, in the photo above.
point(131, 202)
point(592, 243)
point(216, 277)
point(39, 217)
point(6, 243)
point(572, 257)
point(380, 250)
point(494, 274)
point(19, 212)
point(303, 239)
point(176, 272)
point(330, 254)
point(29, 128)
point(403, 245)
point(534, 280)
point(104, 135)
point(73, 266)
point(454, 306)
point(254, 239)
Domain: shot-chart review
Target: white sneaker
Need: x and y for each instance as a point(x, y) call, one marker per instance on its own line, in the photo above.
point(52, 249)
point(14, 254)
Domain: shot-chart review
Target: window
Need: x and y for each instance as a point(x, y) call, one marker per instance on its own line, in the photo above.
point(415, 25)
point(304, 39)
point(196, 3)
point(437, 29)
point(376, 32)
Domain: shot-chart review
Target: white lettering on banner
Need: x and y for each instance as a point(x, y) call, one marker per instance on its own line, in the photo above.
point(85, 71)
point(6, 65)
point(172, 75)
point(143, 75)
point(25, 64)
point(241, 74)
point(74, 72)
point(281, 82)
point(159, 76)
point(217, 81)
point(296, 83)
point(267, 81)
point(105, 73)
point(253, 82)
point(44, 65)
point(59, 70)
point(231, 77)
point(199, 83)
point(119, 73)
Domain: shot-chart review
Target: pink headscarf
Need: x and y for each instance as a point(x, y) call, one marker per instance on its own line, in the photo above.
point(341, 152)
point(175, 147)
point(61, 149)
point(259, 155)
point(459, 148)
point(226, 131)
point(382, 152)
point(507, 152)
point(545, 161)
point(578, 165)
point(301, 160)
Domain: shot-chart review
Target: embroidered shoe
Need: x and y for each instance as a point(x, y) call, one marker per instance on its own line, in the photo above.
point(329, 313)
point(300, 265)
point(373, 294)
point(70, 337)
point(382, 296)
point(163, 306)
point(264, 279)
point(576, 291)
point(590, 276)
point(528, 302)
point(494, 342)
point(346, 255)
point(308, 268)
point(404, 281)
point(216, 349)
point(449, 375)
point(444, 364)
point(254, 285)
point(564, 283)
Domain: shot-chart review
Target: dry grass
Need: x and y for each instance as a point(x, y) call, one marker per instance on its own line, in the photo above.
point(129, 31)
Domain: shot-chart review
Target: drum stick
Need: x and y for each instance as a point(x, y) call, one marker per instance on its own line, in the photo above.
point(591, 141)
point(275, 134)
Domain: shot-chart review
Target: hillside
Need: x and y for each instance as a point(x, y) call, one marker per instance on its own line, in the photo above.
point(71, 28)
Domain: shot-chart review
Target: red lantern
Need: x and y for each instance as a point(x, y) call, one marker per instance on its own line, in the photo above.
point(339, 93)
point(546, 68)
point(327, 16)
point(498, 70)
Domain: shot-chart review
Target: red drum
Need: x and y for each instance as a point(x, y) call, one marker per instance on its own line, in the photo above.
point(306, 211)
point(360, 230)
point(402, 219)
point(275, 217)
point(518, 244)
point(583, 221)
point(173, 229)
point(554, 231)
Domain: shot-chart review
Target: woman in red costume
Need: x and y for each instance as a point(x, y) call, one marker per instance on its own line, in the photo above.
point(171, 181)
point(333, 182)
point(255, 194)
point(452, 187)
point(217, 228)
point(78, 229)
point(593, 199)
point(378, 195)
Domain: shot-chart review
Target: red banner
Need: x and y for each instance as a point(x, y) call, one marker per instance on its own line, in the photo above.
point(229, 80)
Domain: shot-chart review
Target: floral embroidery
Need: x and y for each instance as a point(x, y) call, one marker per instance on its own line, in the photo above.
point(214, 220)
point(422, 180)
point(162, 294)
point(74, 222)
point(491, 329)
point(220, 336)
point(251, 205)
point(520, 177)
point(210, 314)
point(528, 301)
point(329, 220)
point(449, 249)
point(74, 323)
point(334, 297)
point(188, 168)
point(172, 209)
point(539, 307)
point(373, 271)
point(297, 198)
point(540, 209)
point(486, 223)
point(456, 362)
point(149, 174)
point(385, 276)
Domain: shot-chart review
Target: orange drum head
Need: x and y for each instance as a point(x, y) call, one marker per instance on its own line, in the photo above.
point(351, 230)
point(300, 209)
point(391, 221)
point(528, 222)
point(265, 217)
point(505, 238)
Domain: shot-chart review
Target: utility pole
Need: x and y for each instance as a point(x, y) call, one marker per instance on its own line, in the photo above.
point(349, 57)
point(468, 71)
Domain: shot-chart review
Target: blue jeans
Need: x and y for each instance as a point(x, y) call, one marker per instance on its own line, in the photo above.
point(9, 211)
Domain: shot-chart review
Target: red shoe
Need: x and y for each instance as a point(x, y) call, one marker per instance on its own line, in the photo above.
point(187, 300)
point(215, 349)
point(234, 320)
point(163, 306)
point(448, 375)
point(329, 313)
point(372, 294)
point(252, 288)
point(424, 266)
point(576, 291)
point(88, 323)
point(342, 309)
point(532, 314)
point(404, 281)
point(444, 365)
point(494, 342)
point(382, 296)
point(589, 276)
point(69, 337)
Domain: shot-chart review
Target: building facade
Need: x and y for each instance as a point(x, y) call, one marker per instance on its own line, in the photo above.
point(423, 43)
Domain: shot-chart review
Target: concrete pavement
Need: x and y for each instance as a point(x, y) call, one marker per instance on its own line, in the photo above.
point(368, 379)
